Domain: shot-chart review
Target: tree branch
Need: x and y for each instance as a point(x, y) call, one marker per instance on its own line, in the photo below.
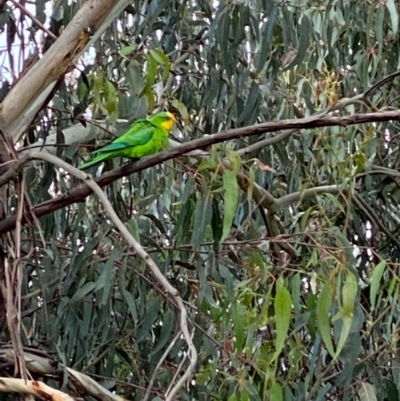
point(41, 76)
point(33, 18)
point(37, 388)
point(287, 200)
point(15, 166)
point(80, 193)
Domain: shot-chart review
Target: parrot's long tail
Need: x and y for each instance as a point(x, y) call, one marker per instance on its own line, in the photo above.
point(96, 160)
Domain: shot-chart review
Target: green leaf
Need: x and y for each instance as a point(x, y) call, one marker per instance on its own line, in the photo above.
point(393, 393)
point(182, 110)
point(283, 307)
point(133, 228)
point(379, 21)
point(376, 282)
point(152, 309)
point(134, 78)
point(266, 38)
point(250, 104)
point(304, 41)
point(126, 50)
point(166, 331)
point(233, 397)
point(227, 275)
point(151, 70)
point(222, 33)
point(296, 291)
point(212, 88)
point(394, 16)
point(367, 392)
point(324, 305)
point(106, 279)
point(202, 218)
point(335, 200)
point(276, 392)
point(163, 60)
point(235, 160)
point(131, 305)
point(253, 392)
point(304, 219)
point(83, 291)
point(282, 153)
point(322, 393)
point(348, 294)
point(231, 198)
point(238, 313)
point(184, 222)
point(205, 7)
point(216, 224)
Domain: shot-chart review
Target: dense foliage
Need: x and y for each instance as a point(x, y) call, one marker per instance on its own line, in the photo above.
point(295, 302)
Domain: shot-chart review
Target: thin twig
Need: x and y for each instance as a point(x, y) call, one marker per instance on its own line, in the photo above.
point(380, 83)
point(33, 18)
point(17, 277)
point(265, 142)
point(11, 291)
point(370, 213)
point(160, 362)
point(168, 392)
point(14, 169)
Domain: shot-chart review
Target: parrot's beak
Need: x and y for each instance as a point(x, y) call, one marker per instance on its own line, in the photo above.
point(172, 117)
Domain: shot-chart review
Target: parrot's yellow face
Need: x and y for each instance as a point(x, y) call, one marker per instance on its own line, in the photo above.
point(169, 121)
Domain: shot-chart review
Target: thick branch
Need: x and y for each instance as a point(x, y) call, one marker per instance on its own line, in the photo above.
point(77, 133)
point(55, 61)
point(44, 365)
point(36, 388)
point(309, 193)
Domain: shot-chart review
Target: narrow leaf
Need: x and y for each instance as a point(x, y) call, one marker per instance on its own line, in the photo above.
point(83, 291)
point(166, 331)
point(126, 50)
point(163, 60)
point(349, 294)
point(202, 218)
point(304, 41)
point(276, 392)
point(230, 201)
point(131, 305)
point(324, 304)
point(375, 281)
point(367, 392)
point(266, 38)
point(283, 306)
point(394, 16)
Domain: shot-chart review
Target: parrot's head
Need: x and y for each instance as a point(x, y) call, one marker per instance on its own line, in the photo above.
point(165, 120)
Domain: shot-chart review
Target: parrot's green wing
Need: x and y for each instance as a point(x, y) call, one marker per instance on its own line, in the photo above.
point(145, 142)
point(135, 128)
point(128, 140)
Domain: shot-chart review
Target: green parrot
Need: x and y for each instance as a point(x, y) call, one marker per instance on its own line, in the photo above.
point(145, 137)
